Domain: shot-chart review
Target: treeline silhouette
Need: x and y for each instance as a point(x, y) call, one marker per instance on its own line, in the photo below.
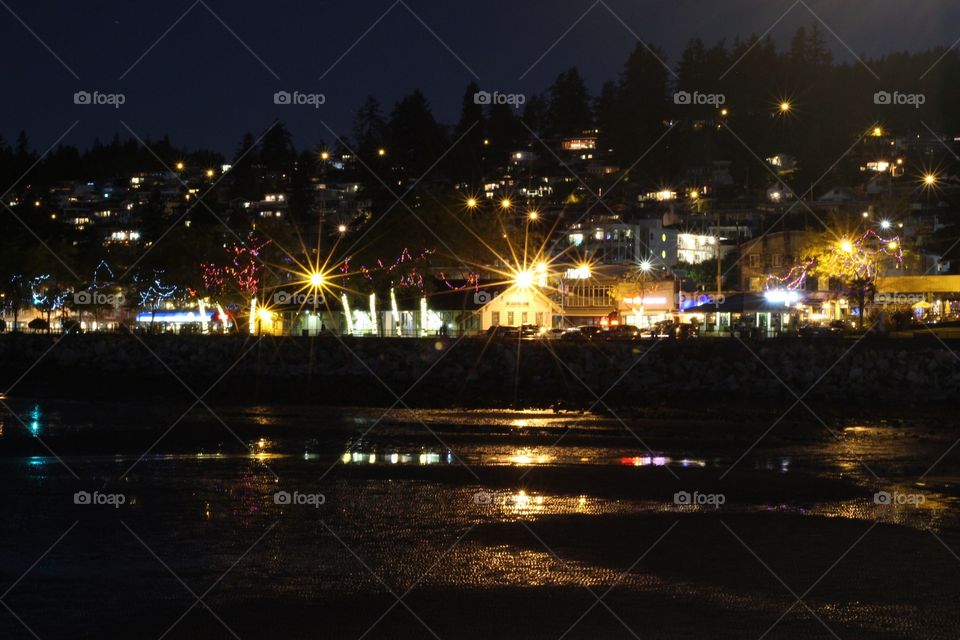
point(832, 104)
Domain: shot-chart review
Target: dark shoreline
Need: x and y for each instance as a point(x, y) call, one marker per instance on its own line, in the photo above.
point(699, 378)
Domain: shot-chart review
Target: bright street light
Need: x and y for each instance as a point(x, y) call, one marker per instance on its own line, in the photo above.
point(524, 279)
point(317, 279)
point(505, 203)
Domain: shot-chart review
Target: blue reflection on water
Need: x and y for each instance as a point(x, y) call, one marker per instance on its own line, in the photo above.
point(35, 420)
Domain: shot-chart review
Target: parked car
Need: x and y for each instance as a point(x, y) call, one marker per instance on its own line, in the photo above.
point(589, 331)
point(623, 332)
point(552, 334)
point(665, 329)
point(835, 329)
point(573, 335)
point(70, 325)
point(501, 332)
point(530, 331)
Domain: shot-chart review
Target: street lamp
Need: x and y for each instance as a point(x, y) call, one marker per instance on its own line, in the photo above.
point(381, 152)
point(524, 279)
point(533, 215)
point(785, 106)
point(505, 203)
point(846, 246)
point(317, 281)
point(471, 203)
point(930, 180)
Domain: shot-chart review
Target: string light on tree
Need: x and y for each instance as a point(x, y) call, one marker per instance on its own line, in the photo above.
point(850, 260)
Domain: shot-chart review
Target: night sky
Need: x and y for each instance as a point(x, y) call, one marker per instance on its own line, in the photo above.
point(201, 85)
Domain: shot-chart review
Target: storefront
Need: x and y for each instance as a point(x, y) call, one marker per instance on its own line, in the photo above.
point(773, 314)
point(929, 298)
point(518, 306)
point(648, 303)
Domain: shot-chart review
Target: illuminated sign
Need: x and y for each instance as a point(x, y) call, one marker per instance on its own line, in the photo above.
point(782, 296)
point(580, 273)
point(646, 301)
point(175, 317)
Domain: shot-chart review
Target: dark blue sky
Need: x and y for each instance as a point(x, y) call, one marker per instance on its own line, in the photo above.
point(204, 87)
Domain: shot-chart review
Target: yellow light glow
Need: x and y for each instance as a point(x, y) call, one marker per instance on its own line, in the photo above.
point(846, 246)
point(505, 203)
point(694, 194)
point(930, 179)
point(524, 279)
point(179, 166)
point(785, 107)
point(892, 245)
point(210, 173)
point(724, 112)
point(317, 279)
point(533, 215)
point(877, 132)
point(471, 203)
point(381, 152)
point(324, 155)
point(342, 228)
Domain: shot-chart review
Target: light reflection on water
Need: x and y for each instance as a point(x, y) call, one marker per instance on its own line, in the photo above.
point(421, 458)
point(828, 457)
